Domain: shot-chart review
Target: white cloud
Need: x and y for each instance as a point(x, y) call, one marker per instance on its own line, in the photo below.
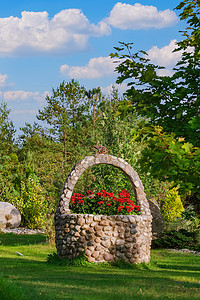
point(138, 16)
point(165, 72)
point(165, 56)
point(34, 32)
point(120, 87)
point(96, 68)
point(3, 80)
point(22, 95)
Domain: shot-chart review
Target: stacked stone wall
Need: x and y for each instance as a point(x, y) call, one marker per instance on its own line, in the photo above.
point(103, 238)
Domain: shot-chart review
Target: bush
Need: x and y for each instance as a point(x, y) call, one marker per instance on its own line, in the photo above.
point(188, 221)
point(178, 240)
point(172, 206)
point(31, 203)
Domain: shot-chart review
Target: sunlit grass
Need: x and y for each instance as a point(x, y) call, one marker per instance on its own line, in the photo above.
point(168, 276)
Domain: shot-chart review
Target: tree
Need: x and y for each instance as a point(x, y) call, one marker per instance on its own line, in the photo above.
point(64, 112)
point(95, 99)
point(171, 102)
point(40, 155)
point(7, 130)
point(171, 158)
point(8, 159)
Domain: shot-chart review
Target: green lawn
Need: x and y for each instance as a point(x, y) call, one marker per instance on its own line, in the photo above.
point(169, 276)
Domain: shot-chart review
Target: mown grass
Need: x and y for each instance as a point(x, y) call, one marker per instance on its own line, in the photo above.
point(168, 276)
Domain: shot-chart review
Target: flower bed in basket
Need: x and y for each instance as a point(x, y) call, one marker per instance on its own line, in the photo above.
point(103, 226)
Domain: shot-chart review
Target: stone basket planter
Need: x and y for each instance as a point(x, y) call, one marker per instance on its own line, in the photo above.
point(103, 238)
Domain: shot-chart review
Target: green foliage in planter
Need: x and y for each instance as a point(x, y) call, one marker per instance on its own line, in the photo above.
point(178, 239)
point(103, 203)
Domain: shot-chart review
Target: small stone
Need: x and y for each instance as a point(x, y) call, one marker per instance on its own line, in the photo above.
point(100, 233)
point(104, 223)
point(129, 255)
point(107, 228)
point(125, 219)
point(106, 244)
point(127, 235)
point(99, 258)
point(97, 218)
point(85, 226)
point(97, 240)
point(133, 231)
point(98, 248)
point(97, 227)
point(90, 243)
point(108, 257)
point(91, 259)
point(93, 224)
point(95, 254)
point(81, 221)
point(133, 226)
point(90, 237)
point(113, 240)
point(119, 242)
point(87, 252)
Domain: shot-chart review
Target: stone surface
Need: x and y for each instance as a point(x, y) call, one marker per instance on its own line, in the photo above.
point(157, 219)
point(10, 217)
point(103, 238)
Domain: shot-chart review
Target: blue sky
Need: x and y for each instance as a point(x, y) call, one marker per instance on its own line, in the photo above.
point(44, 42)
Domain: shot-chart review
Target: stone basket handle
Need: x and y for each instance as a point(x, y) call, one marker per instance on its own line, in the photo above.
point(89, 161)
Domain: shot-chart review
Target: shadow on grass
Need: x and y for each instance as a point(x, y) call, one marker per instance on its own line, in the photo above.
point(180, 267)
point(59, 282)
point(11, 239)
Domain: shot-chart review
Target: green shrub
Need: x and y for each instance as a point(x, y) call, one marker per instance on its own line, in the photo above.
point(178, 239)
point(78, 261)
point(31, 203)
point(172, 206)
point(188, 221)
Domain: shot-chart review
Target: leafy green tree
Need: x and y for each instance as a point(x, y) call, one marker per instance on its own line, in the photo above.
point(95, 99)
point(65, 113)
point(42, 156)
point(171, 102)
point(171, 158)
point(8, 159)
point(7, 130)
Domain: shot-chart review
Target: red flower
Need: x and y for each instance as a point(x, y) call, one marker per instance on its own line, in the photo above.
point(128, 208)
point(124, 194)
point(120, 208)
point(110, 194)
point(101, 203)
point(104, 193)
point(89, 192)
point(137, 207)
point(81, 201)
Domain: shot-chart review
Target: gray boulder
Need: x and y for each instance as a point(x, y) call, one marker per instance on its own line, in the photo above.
point(9, 216)
point(157, 221)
